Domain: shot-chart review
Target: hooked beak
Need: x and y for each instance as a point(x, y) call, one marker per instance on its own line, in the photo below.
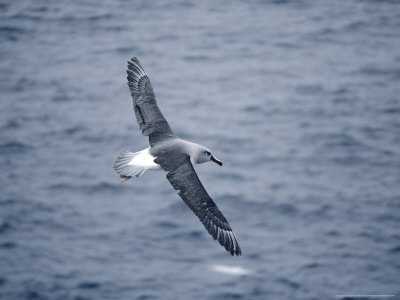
point(216, 160)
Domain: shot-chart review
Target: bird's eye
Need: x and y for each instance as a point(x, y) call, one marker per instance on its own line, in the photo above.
point(207, 153)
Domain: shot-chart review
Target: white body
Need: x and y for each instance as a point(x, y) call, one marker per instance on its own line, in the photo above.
point(130, 164)
point(144, 160)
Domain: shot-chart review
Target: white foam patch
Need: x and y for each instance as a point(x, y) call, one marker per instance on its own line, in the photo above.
point(230, 270)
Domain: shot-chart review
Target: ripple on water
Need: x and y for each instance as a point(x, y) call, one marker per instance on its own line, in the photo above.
point(89, 285)
point(5, 227)
point(14, 147)
point(299, 97)
point(8, 245)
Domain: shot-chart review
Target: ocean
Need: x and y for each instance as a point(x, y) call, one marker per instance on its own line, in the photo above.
point(299, 99)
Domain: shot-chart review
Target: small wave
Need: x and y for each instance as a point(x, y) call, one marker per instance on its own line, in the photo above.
point(289, 283)
point(73, 130)
point(14, 147)
point(89, 285)
point(167, 224)
point(285, 209)
point(372, 70)
point(187, 235)
point(195, 57)
point(103, 16)
point(92, 188)
point(395, 249)
point(312, 265)
point(4, 227)
point(391, 110)
point(252, 108)
point(232, 270)
point(355, 26)
point(230, 176)
point(306, 89)
point(11, 33)
point(230, 197)
point(287, 45)
point(228, 295)
point(127, 50)
point(11, 124)
point(8, 245)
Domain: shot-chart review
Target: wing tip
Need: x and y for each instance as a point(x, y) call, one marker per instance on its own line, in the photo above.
point(135, 73)
point(133, 60)
point(225, 236)
point(235, 248)
point(135, 66)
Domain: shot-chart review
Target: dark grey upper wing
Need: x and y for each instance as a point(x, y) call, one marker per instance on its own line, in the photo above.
point(150, 119)
point(183, 178)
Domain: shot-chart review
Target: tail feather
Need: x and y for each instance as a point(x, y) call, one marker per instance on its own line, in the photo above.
point(125, 170)
point(124, 178)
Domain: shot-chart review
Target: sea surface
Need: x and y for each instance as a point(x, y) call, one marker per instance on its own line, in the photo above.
point(299, 99)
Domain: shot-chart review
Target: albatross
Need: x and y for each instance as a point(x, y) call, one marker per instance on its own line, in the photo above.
point(173, 155)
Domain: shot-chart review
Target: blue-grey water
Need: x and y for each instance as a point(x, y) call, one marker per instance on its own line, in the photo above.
point(299, 99)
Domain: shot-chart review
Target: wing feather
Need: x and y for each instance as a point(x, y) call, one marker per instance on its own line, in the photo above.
point(185, 180)
point(148, 115)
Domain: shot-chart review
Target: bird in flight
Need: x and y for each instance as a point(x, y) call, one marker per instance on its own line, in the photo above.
point(173, 155)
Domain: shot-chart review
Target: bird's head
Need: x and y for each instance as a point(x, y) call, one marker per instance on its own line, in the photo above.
point(203, 154)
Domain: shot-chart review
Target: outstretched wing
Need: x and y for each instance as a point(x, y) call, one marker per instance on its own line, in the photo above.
point(148, 115)
point(184, 179)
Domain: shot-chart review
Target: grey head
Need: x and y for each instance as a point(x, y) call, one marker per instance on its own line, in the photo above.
point(200, 154)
